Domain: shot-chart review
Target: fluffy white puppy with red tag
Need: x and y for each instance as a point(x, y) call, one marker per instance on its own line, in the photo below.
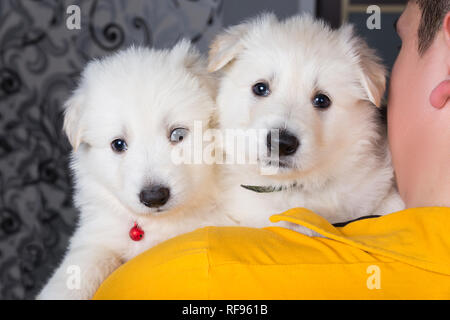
point(129, 113)
point(318, 91)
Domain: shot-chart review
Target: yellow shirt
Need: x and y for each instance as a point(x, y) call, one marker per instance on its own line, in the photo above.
point(403, 255)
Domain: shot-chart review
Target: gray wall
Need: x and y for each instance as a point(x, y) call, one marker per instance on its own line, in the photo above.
point(235, 11)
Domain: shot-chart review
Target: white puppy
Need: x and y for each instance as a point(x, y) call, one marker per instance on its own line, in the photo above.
point(124, 120)
point(320, 90)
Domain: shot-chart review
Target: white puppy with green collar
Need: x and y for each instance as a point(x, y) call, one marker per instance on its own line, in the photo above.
point(320, 90)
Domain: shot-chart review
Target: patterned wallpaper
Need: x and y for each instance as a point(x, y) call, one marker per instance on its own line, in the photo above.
point(40, 60)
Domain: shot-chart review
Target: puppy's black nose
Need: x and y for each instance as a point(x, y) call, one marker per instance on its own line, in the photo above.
point(154, 196)
point(287, 143)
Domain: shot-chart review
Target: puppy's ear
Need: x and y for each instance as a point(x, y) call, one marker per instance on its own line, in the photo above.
point(372, 72)
point(185, 52)
point(72, 123)
point(228, 44)
point(191, 59)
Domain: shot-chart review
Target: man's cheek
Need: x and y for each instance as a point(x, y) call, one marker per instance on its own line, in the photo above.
point(396, 112)
point(395, 89)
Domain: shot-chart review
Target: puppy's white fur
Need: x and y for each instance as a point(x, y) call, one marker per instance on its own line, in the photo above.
point(138, 95)
point(342, 167)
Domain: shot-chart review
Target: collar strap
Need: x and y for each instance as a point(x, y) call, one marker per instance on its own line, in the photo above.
point(268, 189)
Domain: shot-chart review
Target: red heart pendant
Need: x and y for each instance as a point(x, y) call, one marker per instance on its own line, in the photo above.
point(136, 233)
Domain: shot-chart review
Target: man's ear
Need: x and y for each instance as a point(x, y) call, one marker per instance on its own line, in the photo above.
point(441, 93)
point(446, 28)
point(227, 45)
point(371, 71)
point(72, 115)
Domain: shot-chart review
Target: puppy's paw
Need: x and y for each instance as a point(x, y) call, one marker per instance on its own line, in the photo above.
point(63, 295)
point(58, 290)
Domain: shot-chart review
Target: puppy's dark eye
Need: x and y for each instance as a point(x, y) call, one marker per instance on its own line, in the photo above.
point(177, 135)
point(321, 101)
point(119, 145)
point(261, 89)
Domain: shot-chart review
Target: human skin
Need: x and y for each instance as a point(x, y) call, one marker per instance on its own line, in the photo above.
point(419, 114)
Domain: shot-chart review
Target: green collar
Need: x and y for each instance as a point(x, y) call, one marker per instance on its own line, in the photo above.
point(268, 189)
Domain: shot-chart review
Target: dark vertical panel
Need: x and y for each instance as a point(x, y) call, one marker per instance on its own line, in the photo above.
point(330, 11)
